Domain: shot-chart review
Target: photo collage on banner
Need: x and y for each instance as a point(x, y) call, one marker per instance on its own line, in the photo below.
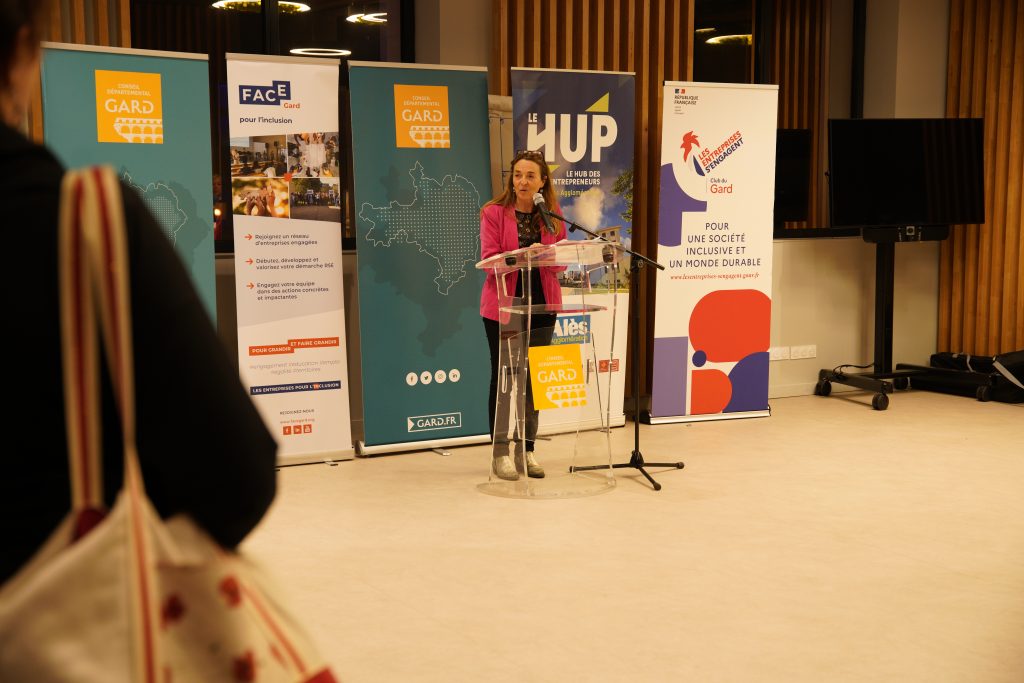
point(713, 309)
point(286, 200)
point(420, 156)
point(582, 121)
point(146, 114)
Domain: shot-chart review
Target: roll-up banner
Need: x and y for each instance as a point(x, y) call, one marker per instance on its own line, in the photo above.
point(147, 114)
point(713, 309)
point(582, 121)
point(420, 154)
point(286, 203)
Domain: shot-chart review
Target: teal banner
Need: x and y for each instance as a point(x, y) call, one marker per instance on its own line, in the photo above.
point(147, 114)
point(421, 168)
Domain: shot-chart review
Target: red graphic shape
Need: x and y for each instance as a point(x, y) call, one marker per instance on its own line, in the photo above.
point(287, 430)
point(173, 610)
point(689, 142)
point(245, 667)
point(729, 325)
point(231, 591)
point(710, 392)
point(306, 429)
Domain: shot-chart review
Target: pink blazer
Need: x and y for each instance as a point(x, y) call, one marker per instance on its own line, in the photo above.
point(498, 234)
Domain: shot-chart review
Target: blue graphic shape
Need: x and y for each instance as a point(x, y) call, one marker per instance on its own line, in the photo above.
point(697, 168)
point(749, 379)
point(700, 358)
point(674, 201)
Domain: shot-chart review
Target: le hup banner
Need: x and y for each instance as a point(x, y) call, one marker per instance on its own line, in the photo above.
point(713, 309)
point(147, 114)
point(421, 167)
point(582, 121)
point(286, 205)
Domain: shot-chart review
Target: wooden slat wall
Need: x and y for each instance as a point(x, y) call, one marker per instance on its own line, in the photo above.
point(798, 64)
point(179, 27)
point(85, 22)
point(653, 38)
point(981, 287)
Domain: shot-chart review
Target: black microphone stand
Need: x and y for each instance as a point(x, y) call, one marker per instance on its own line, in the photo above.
point(636, 264)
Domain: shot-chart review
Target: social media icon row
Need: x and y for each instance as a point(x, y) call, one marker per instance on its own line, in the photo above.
point(426, 377)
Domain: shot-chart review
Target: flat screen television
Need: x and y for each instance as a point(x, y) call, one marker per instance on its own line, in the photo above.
point(905, 172)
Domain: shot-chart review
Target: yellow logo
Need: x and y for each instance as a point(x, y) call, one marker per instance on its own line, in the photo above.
point(556, 373)
point(421, 116)
point(129, 107)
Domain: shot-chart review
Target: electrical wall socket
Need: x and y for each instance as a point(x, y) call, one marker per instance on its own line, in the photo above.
point(778, 353)
point(806, 351)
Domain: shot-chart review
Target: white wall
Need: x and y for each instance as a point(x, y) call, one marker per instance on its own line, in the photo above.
point(453, 32)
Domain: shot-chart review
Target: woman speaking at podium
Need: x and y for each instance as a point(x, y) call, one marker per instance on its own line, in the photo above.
point(512, 221)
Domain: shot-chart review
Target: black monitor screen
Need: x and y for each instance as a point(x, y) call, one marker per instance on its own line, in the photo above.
point(897, 172)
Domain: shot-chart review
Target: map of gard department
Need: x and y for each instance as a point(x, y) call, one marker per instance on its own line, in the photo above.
point(443, 221)
point(164, 204)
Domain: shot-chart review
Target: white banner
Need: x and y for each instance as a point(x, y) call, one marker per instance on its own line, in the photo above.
point(713, 310)
point(286, 205)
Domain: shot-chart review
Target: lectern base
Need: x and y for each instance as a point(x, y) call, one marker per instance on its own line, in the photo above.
point(575, 485)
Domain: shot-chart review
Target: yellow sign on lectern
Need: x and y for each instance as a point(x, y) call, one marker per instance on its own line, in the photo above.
point(556, 373)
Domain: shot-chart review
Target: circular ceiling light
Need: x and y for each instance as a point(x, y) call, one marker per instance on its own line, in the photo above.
point(284, 6)
point(320, 52)
point(742, 39)
point(369, 18)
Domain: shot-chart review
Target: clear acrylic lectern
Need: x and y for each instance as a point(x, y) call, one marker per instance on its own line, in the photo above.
point(548, 361)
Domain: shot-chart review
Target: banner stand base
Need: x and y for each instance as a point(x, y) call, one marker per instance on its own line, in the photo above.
point(317, 458)
point(362, 450)
point(673, 419)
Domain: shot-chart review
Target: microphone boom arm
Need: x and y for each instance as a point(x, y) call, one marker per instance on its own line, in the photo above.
point(576, 226)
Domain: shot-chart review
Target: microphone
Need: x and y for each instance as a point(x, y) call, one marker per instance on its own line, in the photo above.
point(538, 201)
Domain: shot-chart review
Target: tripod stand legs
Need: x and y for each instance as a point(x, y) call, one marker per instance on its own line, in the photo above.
point(636, 461)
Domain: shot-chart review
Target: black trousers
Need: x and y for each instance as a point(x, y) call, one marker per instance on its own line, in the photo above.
point(510, 352)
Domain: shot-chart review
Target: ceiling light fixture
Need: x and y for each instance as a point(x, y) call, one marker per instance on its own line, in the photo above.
point(283, 6)
point(741, 39)
point(369, 18)
point(320, 52)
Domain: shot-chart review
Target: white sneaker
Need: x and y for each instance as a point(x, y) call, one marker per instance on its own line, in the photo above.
point(533, 468)
point(503, 469)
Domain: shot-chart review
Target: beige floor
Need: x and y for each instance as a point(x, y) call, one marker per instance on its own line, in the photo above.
point(829, 542)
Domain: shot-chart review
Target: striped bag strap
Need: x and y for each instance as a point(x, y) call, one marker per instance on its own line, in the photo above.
point(94, 285)
point(79, 347)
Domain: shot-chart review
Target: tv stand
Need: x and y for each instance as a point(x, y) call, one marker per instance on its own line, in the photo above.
point(883, 380)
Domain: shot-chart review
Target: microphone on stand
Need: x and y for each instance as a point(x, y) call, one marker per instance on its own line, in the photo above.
point(538, 201)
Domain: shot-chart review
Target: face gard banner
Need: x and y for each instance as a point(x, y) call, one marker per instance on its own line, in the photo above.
point(421, 167)
point(285, 196)
point(147, 114)
point(582, 121)
point(713, 310)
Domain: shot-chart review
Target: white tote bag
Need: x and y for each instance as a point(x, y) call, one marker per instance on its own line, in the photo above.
point(123, 595)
